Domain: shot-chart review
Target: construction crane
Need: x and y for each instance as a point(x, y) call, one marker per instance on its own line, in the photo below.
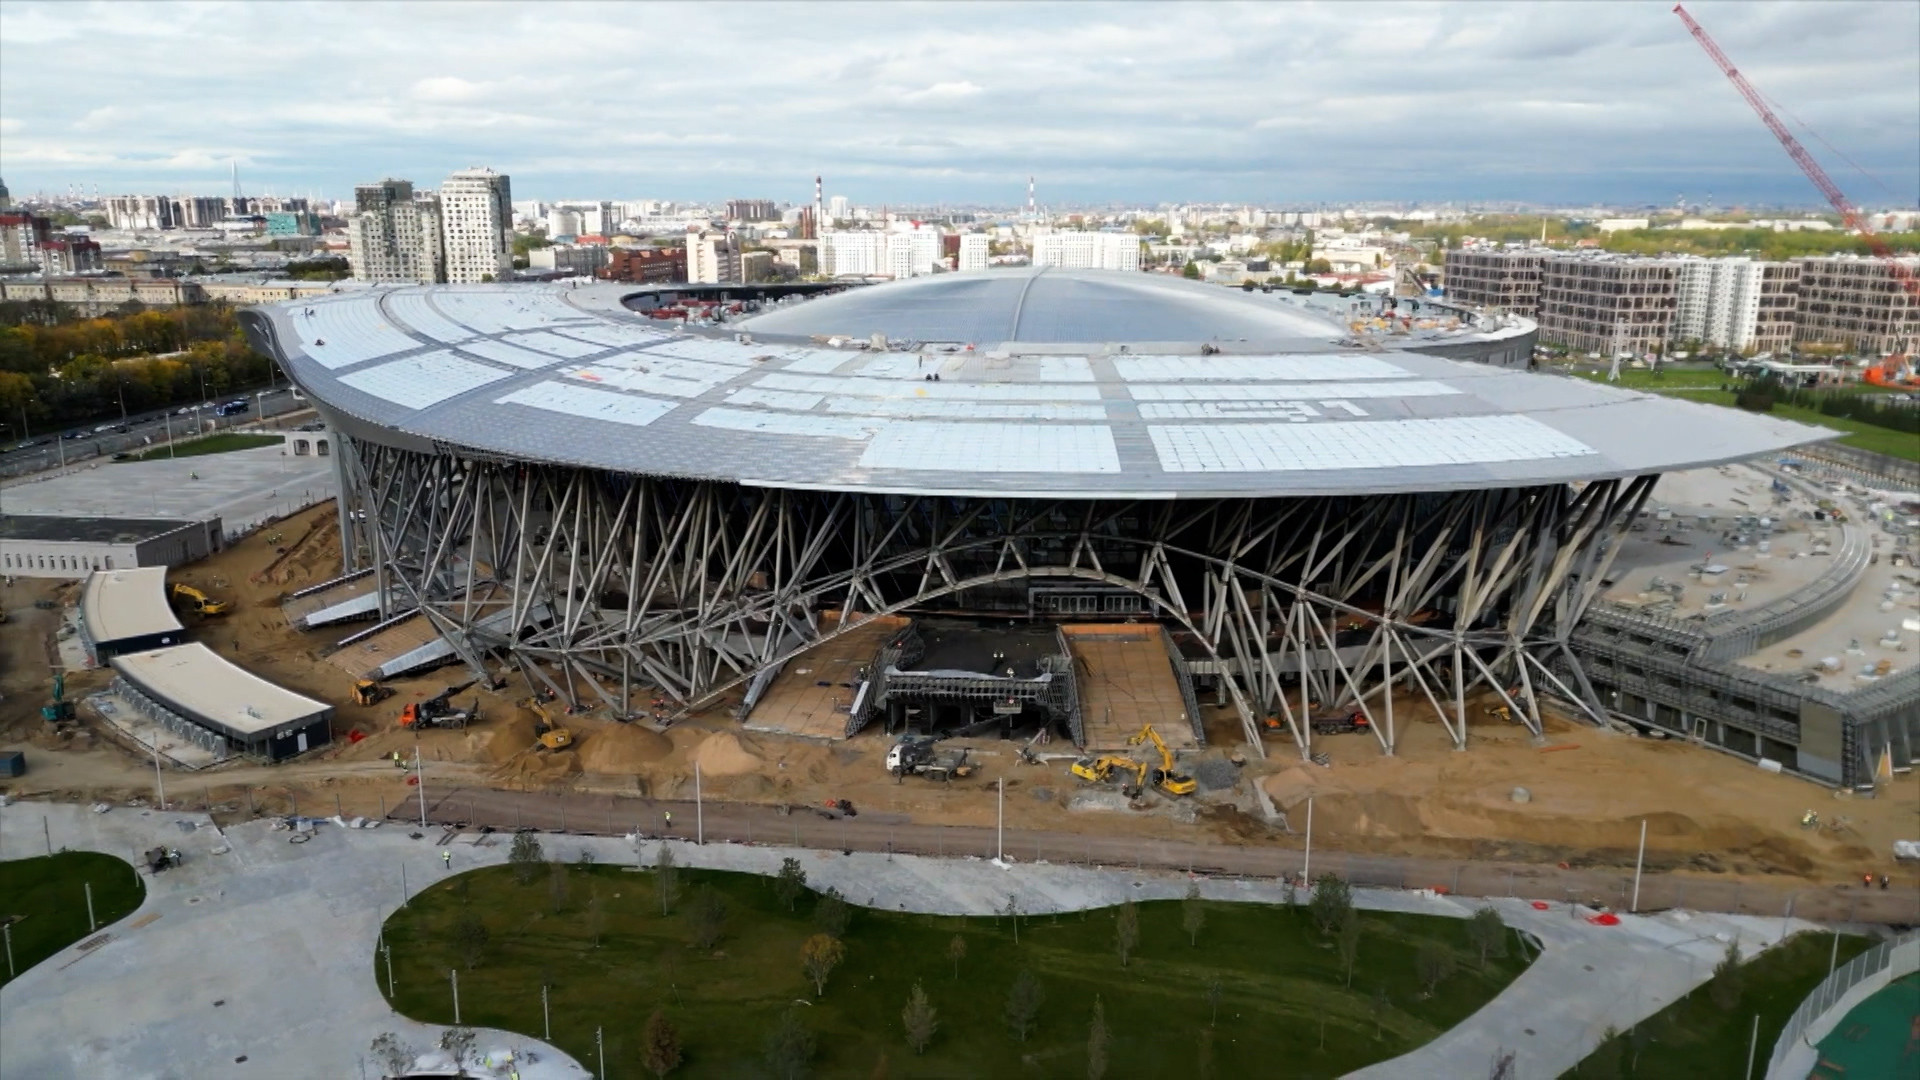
point(1849, 213)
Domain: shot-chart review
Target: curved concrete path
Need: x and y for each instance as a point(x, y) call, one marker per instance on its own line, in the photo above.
point(284, 935)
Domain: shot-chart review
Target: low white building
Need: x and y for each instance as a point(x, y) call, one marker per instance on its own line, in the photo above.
point(1087, 250)
point(72, 547)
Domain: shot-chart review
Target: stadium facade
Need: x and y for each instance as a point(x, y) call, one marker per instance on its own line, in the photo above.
point(629, 510)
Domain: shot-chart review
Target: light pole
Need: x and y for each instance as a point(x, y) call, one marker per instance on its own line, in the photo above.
point(420, 781)
point(159, 785)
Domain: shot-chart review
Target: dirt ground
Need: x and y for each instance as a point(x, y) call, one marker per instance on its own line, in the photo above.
point(1589, 790)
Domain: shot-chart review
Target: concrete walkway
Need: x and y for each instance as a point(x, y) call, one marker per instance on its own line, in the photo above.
point(261, 948)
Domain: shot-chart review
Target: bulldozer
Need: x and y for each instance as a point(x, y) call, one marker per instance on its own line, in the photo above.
point(547, 735)
point(439, 711)
point(1166, 777)
point(198, 602)
point(368, 692)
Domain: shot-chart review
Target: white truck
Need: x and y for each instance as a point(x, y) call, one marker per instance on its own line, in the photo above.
point(918, 756)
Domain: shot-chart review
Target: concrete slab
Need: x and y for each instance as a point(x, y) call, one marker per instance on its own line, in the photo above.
point(241, 488)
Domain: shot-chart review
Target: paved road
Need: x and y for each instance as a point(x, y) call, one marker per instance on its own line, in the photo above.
point(143, 431)
point(1185, 850)
point(264, 949)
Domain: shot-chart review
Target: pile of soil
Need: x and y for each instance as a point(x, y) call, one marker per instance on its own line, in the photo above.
point(722, 754)
point(621, 748)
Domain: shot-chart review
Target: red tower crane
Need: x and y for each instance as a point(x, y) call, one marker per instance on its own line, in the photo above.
point(1849, 213)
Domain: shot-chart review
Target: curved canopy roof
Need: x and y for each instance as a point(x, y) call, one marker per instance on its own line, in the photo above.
point(569, 376)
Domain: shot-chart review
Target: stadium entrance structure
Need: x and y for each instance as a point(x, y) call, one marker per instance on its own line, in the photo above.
point(624, 513)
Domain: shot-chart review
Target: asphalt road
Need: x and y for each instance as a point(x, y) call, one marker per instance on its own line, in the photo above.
point(143, 431)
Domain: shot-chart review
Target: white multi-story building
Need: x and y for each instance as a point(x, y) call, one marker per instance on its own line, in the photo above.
point(913, 252)
point(1737, 303)
point(838, 209)
point(973, 252)
point(712, 258)
point(394, 234)
point(1087, 250)
point(476, 222)
point(563, 221)
point(853, 254)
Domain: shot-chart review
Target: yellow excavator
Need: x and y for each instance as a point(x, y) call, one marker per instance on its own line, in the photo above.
point(1099, 770)
point(200, 603)
point(1166, 777)
point(547, 735)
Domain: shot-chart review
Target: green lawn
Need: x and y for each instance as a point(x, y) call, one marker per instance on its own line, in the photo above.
point(1283, 1008)
point(1695, 1037)
point(46, 900)
point(224, 443)
point(1705, 387)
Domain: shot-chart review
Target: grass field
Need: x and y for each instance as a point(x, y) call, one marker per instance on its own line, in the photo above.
point(46, 898)
point(1695, 1037)
point(225, 442)
point(1283, 1008)
point(1707, 387)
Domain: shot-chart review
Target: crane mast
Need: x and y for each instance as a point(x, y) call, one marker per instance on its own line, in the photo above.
point(1849, 213)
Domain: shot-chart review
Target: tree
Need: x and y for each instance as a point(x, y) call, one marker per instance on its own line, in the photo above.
point(1331, 900)
point(1214, 989)
point(1023, 1004)
point(1191, 271)
point(666, 880)
point(393, 1054)
point(1381, 1003)
point(1431, 965)
point(1193, 913)
point(708, 917)
point(1319, 266)
point(956, 952)
point(1012, 911)
point(470, 937)
point(1348, 942)
point(831, 913)
point(1126, 931)
point(790, 882)
point(596, 916)
point(557, 885)
point(818, 957)
point(1097, 1040)
point(457, 1042)
point(660, 1045)
point(1487, 934)
point(1727, 978)
point(920, 1019)
point(789, 1047)
point(1203, 1055)
point(525, 857)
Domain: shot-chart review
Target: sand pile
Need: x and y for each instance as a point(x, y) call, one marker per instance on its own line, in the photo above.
point(509, 734)
point(1291, 787)
point(622, 748)
point(721, 754)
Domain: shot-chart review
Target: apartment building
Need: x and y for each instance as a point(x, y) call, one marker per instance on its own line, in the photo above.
point(752, 210)
point(476, 226)
point(853, 254)
point(21, 237)
point(973, 252)
point(69, 253)
point(913, 252)
point(645, 265)
point(580, 259)
point(1087, 250)
point(712, 258)
point(394, 234)
point(1857, 302)
point(1503, 282)
point(1736, 303)
point(1607, 305)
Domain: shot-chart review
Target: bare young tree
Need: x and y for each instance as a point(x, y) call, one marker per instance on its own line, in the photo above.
point(1214, 989)
point(1193, 913)
point(557, 886)
point(470, 937)
point(1348, 942)
point(707, 918)
point(956, 952)
point(920, 1019)
point(790, 882)
point(1330, 901)
point(1126, 931)
point(393, 1054)
point(1023, 1004)
point(458, 1042)
point(596, 916)
point(666, 880)
point(1728, 978)
point(1431, 965)
point(789, 1047)
point(1487, 934)
point(1012, 911)
point(832, 914)
point(525, 857)
point(1097, 1041)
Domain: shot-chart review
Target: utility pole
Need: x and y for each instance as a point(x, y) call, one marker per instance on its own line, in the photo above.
point(92, 924)
point(601, 1045)
point(699, 810)
point(420, 781)
point(1638, 860)
point(1306, 866)
point(159, 785)
point(386, 951)
point(453, 974)
point(1000, 826)
point(546, 1017)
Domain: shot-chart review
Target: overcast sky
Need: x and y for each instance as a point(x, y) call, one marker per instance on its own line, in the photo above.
point(1279, 103)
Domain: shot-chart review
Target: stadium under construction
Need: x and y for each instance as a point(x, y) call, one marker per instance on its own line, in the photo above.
point(966, 482)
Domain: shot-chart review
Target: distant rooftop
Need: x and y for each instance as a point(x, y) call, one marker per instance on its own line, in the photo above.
point(85, 530)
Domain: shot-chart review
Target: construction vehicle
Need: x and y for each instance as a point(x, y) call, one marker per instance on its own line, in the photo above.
point(1099, 770)
point(1166, 777)
point(59, 709)
point(917, 756)
point(1338, 723)
point(161, 858)
point(438, 711)
point(198, 602)
point(368, 692)
point(547, 735)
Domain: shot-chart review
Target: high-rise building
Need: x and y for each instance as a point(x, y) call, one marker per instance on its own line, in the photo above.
point(476, 226)
point(838, 210)
point(394, 235)
point(853, 254)
point(1087, 250)
point(1608, 304)
point(752, 210)
point(1856, 302)
point(1737, 303)
point(22, 235)
point(563, 221)
point(712, 257)
point(69, 253)
point(973, 252)
point(912, 252)
point(1495, 281)
point(131, 212)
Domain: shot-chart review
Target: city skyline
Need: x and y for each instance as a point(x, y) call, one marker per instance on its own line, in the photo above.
point(1563, 103)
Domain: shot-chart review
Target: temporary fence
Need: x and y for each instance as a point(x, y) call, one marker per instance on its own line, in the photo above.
point(1901, 954)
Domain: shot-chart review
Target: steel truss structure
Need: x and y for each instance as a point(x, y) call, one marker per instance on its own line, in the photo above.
point(598, 583)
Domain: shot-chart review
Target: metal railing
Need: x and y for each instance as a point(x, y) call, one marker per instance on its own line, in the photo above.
point(1900, 953)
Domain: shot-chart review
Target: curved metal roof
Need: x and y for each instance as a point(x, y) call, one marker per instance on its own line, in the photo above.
point(569, 376)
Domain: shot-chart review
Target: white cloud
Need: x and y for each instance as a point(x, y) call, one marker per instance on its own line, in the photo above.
point(447, 88)
point(945, 91)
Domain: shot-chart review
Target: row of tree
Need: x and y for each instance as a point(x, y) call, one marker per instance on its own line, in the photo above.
point(1761, 395)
